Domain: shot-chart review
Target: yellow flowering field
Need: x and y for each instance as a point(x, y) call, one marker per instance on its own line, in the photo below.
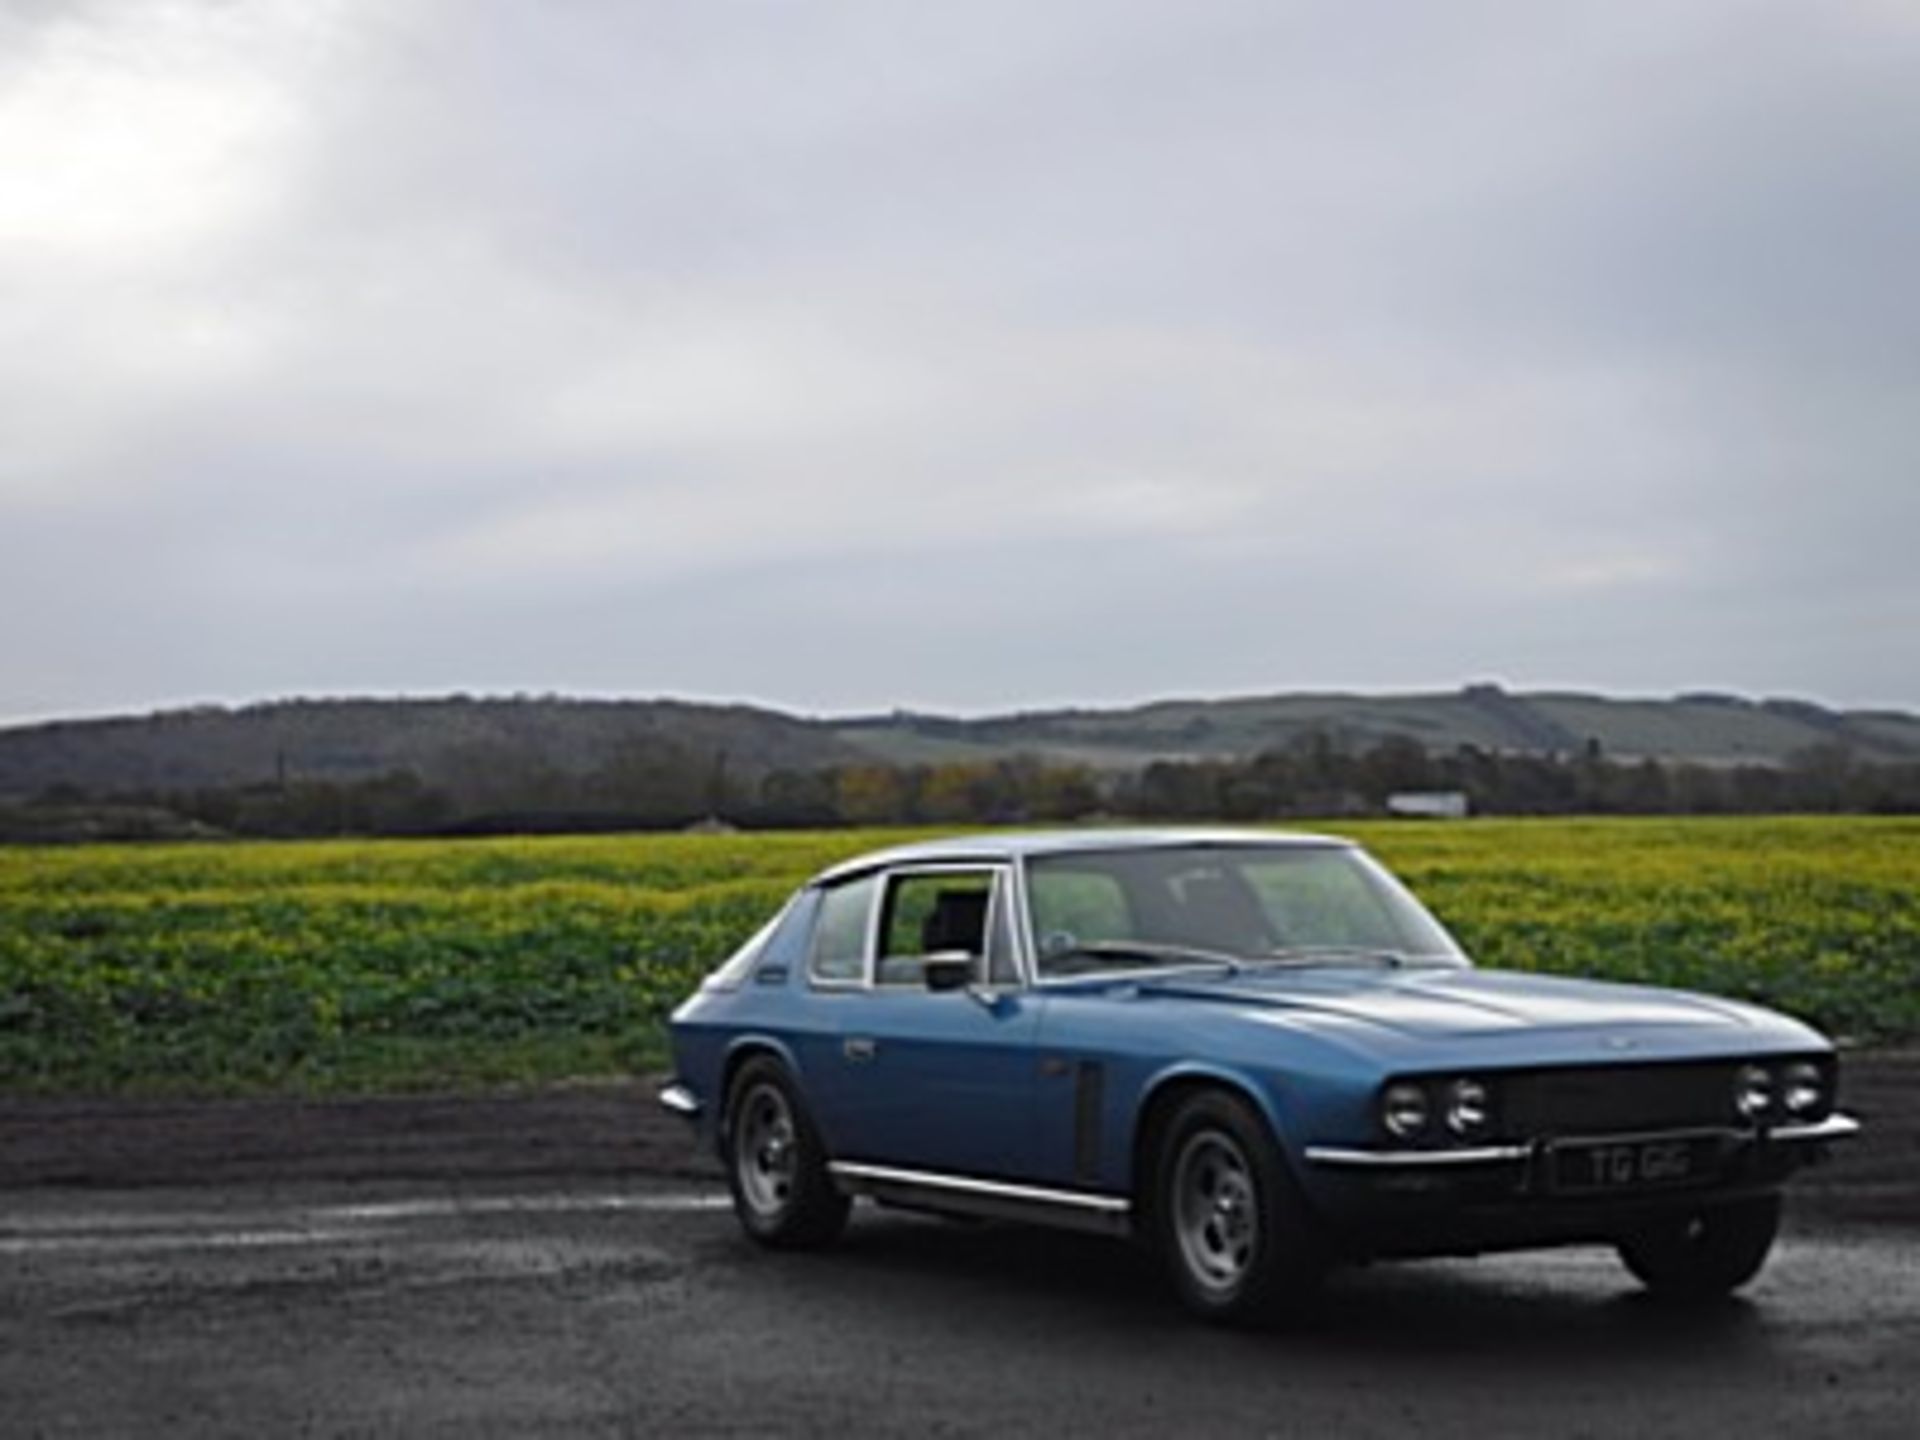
point(362, 965)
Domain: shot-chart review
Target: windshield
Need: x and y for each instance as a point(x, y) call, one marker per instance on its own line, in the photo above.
point(1222, 904)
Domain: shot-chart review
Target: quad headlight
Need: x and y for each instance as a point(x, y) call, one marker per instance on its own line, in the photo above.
point(1411, 1109)
point(1753, 1091)
point(1803, 1089)
point(1469, 1108)
point(1405, 1110)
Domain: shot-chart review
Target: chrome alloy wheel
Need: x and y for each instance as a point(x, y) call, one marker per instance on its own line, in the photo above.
point(1216, 1214)
point(765, 1154)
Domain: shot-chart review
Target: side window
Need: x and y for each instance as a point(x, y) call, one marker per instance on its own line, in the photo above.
point(931, 913)
point(731, 974)
point(840, 932)
point(780, 943)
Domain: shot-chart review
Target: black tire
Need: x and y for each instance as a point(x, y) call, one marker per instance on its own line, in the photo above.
point(1232, 1231)
point(1702, 1254)
point(776, 1166)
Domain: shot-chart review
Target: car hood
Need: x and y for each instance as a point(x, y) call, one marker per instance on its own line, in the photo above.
point(1424, 1004)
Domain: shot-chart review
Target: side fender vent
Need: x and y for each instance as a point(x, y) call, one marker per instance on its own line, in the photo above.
point(1089, 1096)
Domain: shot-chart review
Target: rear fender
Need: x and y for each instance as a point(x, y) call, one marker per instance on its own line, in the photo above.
point(740, 1050)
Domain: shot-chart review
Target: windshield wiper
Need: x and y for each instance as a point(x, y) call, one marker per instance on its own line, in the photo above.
point(1304, 955)
point(1125, 951)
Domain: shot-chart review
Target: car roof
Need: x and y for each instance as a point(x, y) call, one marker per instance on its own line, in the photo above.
point(1005, 846)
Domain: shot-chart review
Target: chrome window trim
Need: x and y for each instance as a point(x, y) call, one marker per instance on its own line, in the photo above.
point(882, 878)
point(1455, 958)
point(1026, 958)
point(999, 909)
point(1149, 972)
point(817, 981)
point(995, 871)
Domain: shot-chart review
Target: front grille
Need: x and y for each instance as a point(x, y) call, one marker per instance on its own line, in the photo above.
point(1616, 1099)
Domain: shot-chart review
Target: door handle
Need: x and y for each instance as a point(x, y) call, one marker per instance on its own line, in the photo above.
point(859, 1049)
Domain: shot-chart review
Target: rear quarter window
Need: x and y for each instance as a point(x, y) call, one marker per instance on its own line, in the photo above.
point(780, 942)
point(839, 949)
point(733, 971)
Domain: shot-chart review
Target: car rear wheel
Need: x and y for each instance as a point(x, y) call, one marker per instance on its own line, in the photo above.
point(776, 1165)
point(1231, 1228)
point(1702, 1254)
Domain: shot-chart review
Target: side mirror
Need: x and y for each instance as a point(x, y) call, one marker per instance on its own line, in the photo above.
point(950, 969)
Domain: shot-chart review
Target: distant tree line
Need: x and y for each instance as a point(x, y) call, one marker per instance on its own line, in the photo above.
point(500, 789)
point(1316, 777)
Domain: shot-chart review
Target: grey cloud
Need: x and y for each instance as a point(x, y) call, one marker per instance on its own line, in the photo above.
point(1144, 348)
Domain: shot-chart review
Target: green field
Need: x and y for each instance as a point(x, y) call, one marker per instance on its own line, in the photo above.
point(358, 966)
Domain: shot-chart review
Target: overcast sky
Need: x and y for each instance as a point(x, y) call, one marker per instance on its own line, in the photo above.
point(851, 355)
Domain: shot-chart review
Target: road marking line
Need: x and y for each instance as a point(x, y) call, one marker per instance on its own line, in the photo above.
point(310, 1224)
point(172, 1240)
point(528, 1204)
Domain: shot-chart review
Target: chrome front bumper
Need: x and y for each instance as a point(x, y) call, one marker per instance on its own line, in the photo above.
point(1834, 1127)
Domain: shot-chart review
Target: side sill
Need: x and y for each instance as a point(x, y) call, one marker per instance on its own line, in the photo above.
point(989, 1199)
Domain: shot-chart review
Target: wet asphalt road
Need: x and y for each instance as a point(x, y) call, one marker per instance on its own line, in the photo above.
point(634, 1309)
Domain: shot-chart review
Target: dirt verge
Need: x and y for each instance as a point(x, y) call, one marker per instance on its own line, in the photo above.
point(600, 1129)
point(617, 1129)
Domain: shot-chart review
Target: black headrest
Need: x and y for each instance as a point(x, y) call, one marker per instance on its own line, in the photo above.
point(958, 922)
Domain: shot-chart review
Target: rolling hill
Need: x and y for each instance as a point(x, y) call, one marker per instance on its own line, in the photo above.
point(452, 740)
point(1711, 729)
point(444, 741)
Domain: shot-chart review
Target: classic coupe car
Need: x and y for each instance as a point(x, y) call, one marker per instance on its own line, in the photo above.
point(1256, 1052)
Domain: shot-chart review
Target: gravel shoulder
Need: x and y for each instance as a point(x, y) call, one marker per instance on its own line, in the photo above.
point(615, 1129)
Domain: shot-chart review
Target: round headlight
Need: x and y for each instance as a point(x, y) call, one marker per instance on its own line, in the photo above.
point(1753, 1091)
point(1804, 1089)
point(1404, 1110)
point(1468, 1107)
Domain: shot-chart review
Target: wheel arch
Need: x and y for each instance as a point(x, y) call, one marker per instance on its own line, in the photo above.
point(1162, 1095)
point(740, 1050)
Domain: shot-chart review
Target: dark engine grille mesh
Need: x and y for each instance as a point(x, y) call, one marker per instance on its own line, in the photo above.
point(1617, 1098)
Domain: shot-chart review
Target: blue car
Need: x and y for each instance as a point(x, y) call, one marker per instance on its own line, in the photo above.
point(1257, 1053)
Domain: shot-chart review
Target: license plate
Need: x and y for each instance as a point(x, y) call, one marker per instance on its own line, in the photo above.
point(1603, 1165)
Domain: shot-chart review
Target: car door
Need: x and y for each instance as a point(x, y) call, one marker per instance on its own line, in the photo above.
point(936, 1080)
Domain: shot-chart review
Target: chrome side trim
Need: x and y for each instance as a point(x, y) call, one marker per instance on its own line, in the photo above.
point(994, 1199)
point(1417, 1159)
point(966, 1184)
point(1834, 1127)
point(680, 1100)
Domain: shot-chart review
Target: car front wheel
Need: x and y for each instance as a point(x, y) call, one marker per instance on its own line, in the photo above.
point(776, 1165)
point(1701, 1254)
point(1232, 1231)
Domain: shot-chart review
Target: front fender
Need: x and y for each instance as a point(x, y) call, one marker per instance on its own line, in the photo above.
point(1249, 1084)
